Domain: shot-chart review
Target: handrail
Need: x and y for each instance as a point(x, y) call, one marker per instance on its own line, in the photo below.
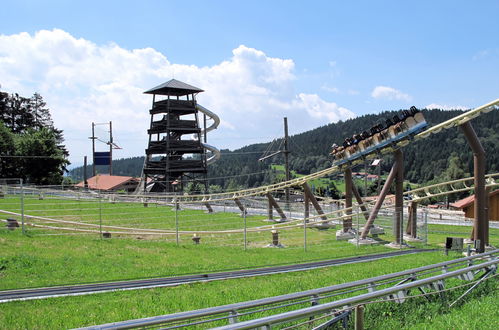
point(319, 309)
point(313, 293)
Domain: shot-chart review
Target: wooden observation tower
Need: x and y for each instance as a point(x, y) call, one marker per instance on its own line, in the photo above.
point(175, 154)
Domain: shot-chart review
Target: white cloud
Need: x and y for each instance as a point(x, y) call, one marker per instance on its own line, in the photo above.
point(389, 93)
point(446, 107)
point(318, 108)
point(84, 82)
point(331, 89)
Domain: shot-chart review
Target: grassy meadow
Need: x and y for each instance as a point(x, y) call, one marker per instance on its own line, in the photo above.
point(43, 257)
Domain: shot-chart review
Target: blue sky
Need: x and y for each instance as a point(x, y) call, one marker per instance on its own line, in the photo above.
point(313, 61)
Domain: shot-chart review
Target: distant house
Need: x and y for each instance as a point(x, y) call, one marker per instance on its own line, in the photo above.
point(467, 205)
point(111, 183)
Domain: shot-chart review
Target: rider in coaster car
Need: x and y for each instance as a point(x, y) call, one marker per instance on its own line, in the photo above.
point(365, 135)
point(413, 110)
point(388, 123)
point(396, 119)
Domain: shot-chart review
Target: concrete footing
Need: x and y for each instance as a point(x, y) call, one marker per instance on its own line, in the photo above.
point(394, 245)
point(279, 246)
point(376, 230)
point(363, 241)
point(412, 239)
point(345, 235)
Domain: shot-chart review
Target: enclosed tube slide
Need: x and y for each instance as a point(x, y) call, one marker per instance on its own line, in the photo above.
point(216, 121)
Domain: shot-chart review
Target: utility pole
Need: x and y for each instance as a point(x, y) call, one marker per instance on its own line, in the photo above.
point(286, 158)
point(93, 148)
point(110, 148)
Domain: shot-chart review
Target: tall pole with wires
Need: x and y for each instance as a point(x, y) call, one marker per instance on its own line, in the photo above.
point(286, 159)
point(110, 148)
point(93, 148)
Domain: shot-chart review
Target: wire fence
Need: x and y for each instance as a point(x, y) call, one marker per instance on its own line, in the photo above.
point(245, 222)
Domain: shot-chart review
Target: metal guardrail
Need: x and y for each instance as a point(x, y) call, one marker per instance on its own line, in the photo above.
point(399, 291)
point(232, 312)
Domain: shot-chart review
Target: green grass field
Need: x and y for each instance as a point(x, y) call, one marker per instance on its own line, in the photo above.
point(41, 258)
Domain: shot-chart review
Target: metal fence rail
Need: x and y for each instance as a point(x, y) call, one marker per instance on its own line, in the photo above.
point(397, 290)
point(232, 312)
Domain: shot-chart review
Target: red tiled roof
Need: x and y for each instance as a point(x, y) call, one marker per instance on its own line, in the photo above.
point(468, 200)
point(106, 182)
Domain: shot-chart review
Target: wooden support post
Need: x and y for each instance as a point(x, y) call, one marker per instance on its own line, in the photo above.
point(240, 205)
point(347, 223)
point(399, 195)
point(311, 197)
point(411, 228)
point(270, 209)
point(379, 202)
point(208, 206)
point(273, 204)
point(481, 222)
point(360, 201)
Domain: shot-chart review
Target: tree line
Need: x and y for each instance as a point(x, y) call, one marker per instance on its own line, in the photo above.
point(31, 148)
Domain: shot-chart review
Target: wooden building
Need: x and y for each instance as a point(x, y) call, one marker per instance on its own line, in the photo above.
point(467, 205)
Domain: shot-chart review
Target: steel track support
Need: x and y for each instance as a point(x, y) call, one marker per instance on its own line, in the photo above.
point(481, 222)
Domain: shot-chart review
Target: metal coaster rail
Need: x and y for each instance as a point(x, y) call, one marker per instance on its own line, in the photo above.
point(422, 278)
point(83, 289)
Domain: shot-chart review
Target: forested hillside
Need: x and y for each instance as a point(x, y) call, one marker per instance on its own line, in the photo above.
point(444, 155)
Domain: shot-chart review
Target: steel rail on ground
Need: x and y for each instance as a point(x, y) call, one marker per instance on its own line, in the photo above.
point(231, 312)
point(68, 290)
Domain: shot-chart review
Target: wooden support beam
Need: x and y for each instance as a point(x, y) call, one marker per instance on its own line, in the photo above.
point(379, 202)
point(481, 223)
point(208, 206)
point(240, 205)
point(311, 198)
point(347, 223)
point(399, 195)
point(411, 228)
point(273, 204)
point(360, 201)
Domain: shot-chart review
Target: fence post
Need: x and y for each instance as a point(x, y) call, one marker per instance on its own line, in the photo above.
point(305, 220)
point(176, 220)
point(401, 227)
point(100, 214)
point(425, 213)
point(358, 225)
point(245, 233)
point(22, 207)
point(359, 317)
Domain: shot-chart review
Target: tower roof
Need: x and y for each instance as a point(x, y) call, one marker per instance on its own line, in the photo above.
point(174, 87)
